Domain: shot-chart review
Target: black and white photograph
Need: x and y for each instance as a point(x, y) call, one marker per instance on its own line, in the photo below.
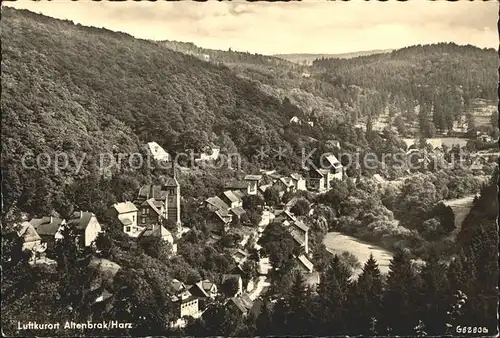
point(249, 169)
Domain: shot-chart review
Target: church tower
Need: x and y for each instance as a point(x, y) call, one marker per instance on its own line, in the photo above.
point(172, 194)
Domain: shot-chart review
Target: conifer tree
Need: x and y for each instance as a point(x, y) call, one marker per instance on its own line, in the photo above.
point(366, 299)
point(398, 314)
point(433, 295)
point(333, 292)
point(292, 312)
point(75, 275)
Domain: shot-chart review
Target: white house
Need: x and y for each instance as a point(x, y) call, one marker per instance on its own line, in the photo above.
point(158, 153)
point(253, 183)
point(298, 181)
point(87, 225)
point(126, 212)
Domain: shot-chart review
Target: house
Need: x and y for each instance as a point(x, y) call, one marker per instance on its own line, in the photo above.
point(253, 183)
point(304, 265)
point(295, 120)
point(48, 227)
point(204, 289)
point(216, 203)
point(167, 198)
point(284, 184)
point(238, 212)
point(178, 286)
point(206, 57)
point(242, 304)
point(299, 182)
point(185, 305)
point(231, 199)
point(317, 180)
point(237, 185)
point(306, 75)
point(210, 154)
point(225, 217)
point(31, 240)
point(151, 212)
point(336, 170)
point(485, 138)
point(157, 152)
point(159, 231)
point(126, 213)
point(300, 233)
point(87, 225)
point(238, 279)
point(239, 256)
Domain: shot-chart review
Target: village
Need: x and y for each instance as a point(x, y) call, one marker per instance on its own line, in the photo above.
point(156, 213)
point(155, 205)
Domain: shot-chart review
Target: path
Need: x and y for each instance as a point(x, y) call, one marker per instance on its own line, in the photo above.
point(461, 208)
point(261, 284)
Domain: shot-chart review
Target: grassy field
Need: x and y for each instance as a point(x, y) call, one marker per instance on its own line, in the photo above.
point(337, 243)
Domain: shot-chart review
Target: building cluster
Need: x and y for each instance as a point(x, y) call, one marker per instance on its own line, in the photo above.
point(155, 213)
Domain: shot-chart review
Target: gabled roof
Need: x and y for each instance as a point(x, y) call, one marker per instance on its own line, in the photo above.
point(324, 172)
point(46, 225)
point(27, 232)
point(253, 177)
point(291, 202)
point(157, 191)
point(238, 185)
point(242, 303)
point(332, 160)
point(275, 176)
point(223, 215)
point(126, 221)
point(301, 226)
point(177, 285)
point(156, 231)
point(238, 193)
point(125, 207)
point(298, 237)
point(239, 252)
point(305, 262)
point(207, 285)
point(157, 151)
point(296, 176)
point(286, 181)
point(231, 196)
point(226, 277)
point(217, 202)
point(264, 187)
point(290, 215)
point(152, 204)
point(202, 288)
point(80, 219)
point(238, 211)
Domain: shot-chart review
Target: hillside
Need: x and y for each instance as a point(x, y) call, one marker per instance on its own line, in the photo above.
point(85, 90)
point(305, 58)
point(434, 83)
point(276, 77)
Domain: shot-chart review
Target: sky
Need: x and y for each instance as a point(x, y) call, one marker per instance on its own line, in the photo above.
point(310, 26)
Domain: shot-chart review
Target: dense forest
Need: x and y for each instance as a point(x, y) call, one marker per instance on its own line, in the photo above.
point(82, 91)
point(87, 91)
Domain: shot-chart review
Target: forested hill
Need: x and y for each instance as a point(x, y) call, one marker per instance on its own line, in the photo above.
point(436, 77)
point(305, 58)
point(79, 89)
point(226, 57)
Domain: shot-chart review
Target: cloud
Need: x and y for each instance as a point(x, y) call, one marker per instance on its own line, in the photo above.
point(309, 26)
